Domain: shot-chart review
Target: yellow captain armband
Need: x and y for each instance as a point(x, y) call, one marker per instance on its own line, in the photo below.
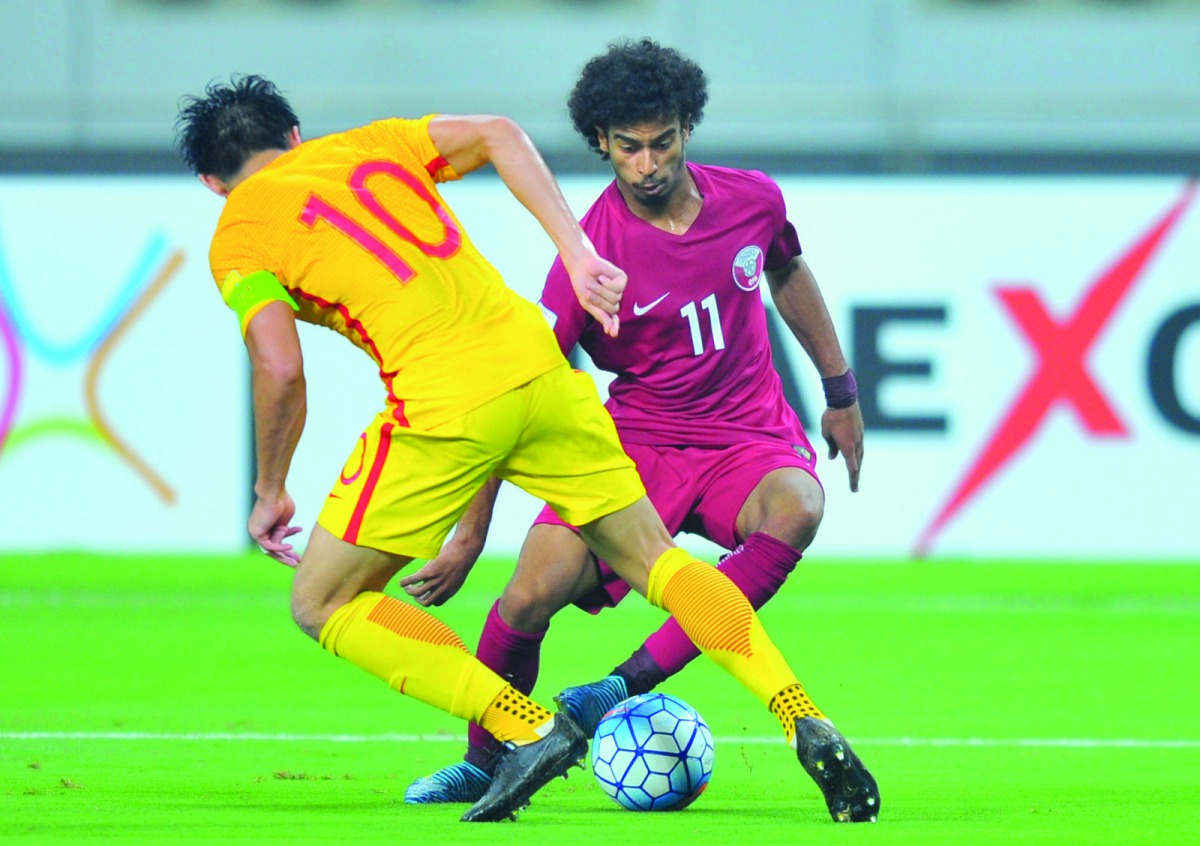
point(247, 295)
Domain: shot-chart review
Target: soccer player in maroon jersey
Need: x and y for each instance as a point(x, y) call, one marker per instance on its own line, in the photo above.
point(696, 399)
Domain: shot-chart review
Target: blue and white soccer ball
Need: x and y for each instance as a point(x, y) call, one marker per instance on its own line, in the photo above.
point(652, 753)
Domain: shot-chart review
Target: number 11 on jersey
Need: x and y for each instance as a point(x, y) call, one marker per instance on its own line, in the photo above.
point(692, 315)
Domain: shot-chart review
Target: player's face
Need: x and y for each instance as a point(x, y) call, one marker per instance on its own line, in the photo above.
point(648, 160)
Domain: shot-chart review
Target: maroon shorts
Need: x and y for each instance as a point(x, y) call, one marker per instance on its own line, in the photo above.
point(699, 490)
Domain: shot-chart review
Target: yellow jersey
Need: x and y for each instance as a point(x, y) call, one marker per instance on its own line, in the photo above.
point(353, 227)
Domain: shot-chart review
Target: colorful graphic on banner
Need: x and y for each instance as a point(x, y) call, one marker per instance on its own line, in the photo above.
point(153, 270)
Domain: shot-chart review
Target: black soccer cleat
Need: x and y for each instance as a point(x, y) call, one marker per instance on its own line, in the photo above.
point(850, 791)
point(523, 770)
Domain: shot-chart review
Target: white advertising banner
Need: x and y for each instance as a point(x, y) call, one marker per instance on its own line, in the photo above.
point(1027, 353)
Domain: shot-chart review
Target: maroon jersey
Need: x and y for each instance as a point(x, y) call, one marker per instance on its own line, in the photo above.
point(692, 362)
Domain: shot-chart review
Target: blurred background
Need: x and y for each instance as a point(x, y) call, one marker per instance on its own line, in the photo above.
point(997, 197)
point(860, 85)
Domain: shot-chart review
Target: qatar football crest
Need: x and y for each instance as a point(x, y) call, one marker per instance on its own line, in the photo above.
point(748, 268)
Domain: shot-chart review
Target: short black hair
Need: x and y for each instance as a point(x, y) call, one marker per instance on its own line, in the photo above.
point(218, 132)
point(636, 82)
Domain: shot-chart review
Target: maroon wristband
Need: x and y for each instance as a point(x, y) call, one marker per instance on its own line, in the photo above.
point(840, 391)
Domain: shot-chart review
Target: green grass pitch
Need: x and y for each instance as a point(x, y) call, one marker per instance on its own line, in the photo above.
point(169, 700)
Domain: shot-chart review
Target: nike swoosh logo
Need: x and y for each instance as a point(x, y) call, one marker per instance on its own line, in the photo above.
point(638, 310)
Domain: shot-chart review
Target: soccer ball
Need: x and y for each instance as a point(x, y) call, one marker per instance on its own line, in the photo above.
point(652, 753)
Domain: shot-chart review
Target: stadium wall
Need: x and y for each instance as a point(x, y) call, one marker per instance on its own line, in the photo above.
point(876, 84)
point(1028, 351)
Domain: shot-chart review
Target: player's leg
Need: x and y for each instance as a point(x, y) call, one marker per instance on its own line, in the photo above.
point(337, 599)
point(765, 495)
point(727, 495)
point(720, 621)
point(706, 604)
point(757, 567)
point(788, 504)
point(418, 486)
point(570, 456)
point(779, 520)
point(554, 568)
point(567, 430)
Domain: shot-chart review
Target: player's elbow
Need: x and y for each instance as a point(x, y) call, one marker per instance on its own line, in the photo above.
point(277, 360)
point(468, 142)
point(500, 134)
point(499, 126)
point(283, 371)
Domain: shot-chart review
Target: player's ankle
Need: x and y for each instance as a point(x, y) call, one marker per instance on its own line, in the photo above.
point(484, 758)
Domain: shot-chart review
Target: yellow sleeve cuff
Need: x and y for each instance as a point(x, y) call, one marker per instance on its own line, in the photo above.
point(248, 295)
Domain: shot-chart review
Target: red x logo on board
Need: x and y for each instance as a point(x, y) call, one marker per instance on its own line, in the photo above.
point(1062, 375)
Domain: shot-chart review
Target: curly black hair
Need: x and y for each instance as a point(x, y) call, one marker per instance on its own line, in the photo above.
point(216, 133)
point(636, 82)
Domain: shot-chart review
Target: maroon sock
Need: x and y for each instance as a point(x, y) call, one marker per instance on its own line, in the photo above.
point(515, 656)
point(758, 567)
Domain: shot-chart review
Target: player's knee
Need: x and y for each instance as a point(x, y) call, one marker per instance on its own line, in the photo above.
point(308, 615)
point(525, 609)
point(805, 530)
point(795, 523)
point(809, 513)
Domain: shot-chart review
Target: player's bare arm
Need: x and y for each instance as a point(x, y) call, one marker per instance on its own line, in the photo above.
point(798, 298)
point(468, 142)
point(442, 576)
point(280, 405)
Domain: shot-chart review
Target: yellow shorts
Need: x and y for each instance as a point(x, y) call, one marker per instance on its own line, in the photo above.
point(402, 490)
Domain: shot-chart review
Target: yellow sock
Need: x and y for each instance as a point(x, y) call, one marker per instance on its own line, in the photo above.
point(420, 656)
point(789, 705)
point(513, 716)
point(722, 623)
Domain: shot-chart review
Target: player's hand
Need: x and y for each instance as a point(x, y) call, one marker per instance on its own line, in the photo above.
point(270, 526)
point(442, 576)
point(598, 285)
point(842, 429)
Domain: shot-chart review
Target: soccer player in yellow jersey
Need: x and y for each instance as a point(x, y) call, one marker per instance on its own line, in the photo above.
point(349, 231)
